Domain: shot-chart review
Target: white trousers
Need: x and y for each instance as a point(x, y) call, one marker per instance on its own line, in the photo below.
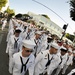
point(58, 71)
point(64, 69)
point(3, 26)
point(10, 62)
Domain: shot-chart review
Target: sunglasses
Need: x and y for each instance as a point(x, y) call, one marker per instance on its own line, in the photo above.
point(29, 51)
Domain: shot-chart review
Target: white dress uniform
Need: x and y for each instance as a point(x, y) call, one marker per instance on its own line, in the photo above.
point(16, 65)
point(37, 48)
point(10, 24)
point(54, 64)
point(20, 64)
point(26, 35)
point(10, 45)
point(15, 22)
point(62, 63)
point(13, 47)
point(41, 61)
point(10, 33)
point(44, 42)
point(68, 62)
point(46, 62)
point(4, 24)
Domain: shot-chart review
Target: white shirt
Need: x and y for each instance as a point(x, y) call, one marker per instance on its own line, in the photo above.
point(40, 62)
point(10, 33)
point(10, 45)
point(64, 59)
point(70, 58)
point(16, 64)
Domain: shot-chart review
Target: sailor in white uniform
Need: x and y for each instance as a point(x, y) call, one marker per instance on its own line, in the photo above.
point(11, 32)
point(4, 24)
point(63, 57)
point(26, 34)
point(23, 61)
point(69, 61)
point(44, 59)
point(44, 37)
point(38, 43)
point(13, 45)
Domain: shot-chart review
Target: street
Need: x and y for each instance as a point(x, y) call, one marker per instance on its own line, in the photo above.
point(3, 55)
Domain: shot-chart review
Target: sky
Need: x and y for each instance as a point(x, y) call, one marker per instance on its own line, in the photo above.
point(61, 7)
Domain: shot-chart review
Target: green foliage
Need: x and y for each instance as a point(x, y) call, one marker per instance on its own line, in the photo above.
point(2, 3)
point(72, 9)
point(10, 11)
point(69, 36)
point(26, 15)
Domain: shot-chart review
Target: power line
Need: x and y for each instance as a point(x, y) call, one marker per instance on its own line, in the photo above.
point(52, 11)
point(49, 9)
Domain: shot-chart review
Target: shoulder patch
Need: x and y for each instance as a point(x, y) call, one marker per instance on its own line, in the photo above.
point(46, 55)
point(41, 52)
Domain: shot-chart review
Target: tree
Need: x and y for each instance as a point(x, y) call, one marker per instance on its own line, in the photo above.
point(2, 3)
point(10, 11)
point(18, 16)
point(72, 9)
point(26, 17)
point(69, 36)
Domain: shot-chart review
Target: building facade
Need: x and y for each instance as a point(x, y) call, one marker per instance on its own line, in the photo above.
point(47, 23)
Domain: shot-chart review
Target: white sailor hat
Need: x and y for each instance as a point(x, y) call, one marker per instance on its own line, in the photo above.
point(74, 51)
point(38, 32)
point(63, 49)
point(28, 44)
point(70, 50)
point(19, 28)
point(42, 31)
point(59, 41)
point(55, 45)
point(16, 24)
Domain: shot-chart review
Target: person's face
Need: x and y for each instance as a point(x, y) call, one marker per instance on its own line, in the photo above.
point(53, 50)
point(73, 54)
point(26, 51)
point(17, 34)
point(15, 27)
point(29, 30)
point(69, 53)
point(63, 52)
point(37, 36)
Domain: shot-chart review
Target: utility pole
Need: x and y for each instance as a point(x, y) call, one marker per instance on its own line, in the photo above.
point(74, 37)
point(63, 33)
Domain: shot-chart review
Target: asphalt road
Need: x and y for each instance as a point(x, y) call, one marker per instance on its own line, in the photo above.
point(4, 56)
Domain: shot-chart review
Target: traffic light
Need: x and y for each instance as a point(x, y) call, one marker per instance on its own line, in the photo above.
point(65, 27)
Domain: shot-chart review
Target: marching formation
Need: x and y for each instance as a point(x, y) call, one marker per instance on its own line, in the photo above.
point(33, 51)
